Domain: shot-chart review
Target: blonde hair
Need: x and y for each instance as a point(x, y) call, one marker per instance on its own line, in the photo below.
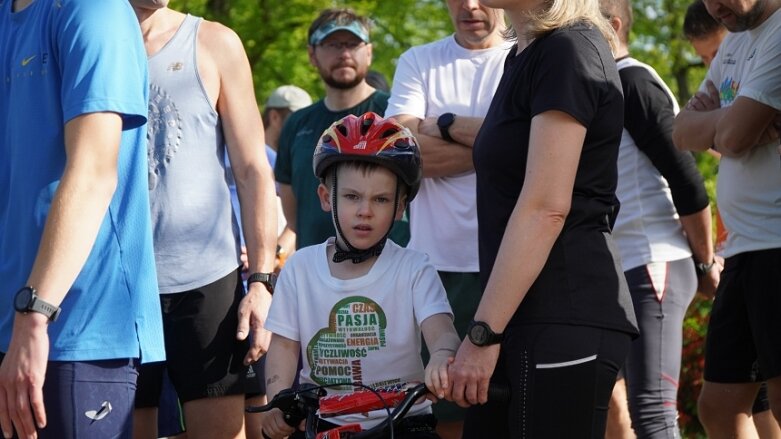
point(560, 13)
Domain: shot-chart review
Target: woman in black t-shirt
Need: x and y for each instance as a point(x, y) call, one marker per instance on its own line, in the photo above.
point(553, 286)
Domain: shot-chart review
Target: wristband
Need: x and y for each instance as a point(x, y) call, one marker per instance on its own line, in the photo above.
point(703, 268)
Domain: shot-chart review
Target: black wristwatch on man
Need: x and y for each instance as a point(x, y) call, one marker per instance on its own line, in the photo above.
point(269, 280)
point(444, 122)
point(26, 300)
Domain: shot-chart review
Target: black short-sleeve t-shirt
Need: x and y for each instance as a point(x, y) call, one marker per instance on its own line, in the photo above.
point(572, 70)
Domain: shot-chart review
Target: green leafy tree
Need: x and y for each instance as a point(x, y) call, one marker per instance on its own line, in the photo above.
point(274, 33)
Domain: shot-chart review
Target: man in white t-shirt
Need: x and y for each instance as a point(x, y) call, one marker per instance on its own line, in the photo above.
point(442, 91)
point(736, 112)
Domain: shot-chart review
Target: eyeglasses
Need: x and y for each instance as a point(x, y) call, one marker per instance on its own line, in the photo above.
point(335, 47)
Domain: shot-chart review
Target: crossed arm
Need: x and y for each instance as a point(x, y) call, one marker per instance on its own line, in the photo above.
point(439, 157)
point(732, 130)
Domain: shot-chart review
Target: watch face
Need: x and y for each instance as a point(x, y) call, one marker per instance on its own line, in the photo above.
point(22, 299)
point(446, 120)
point(478, 335)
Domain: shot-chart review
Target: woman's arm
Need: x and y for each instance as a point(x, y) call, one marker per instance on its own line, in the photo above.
point(555, 144)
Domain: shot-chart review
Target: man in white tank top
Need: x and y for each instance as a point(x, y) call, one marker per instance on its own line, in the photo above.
point(202, 101)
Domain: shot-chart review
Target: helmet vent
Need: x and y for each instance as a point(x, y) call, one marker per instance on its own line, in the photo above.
point(365, 125)
point(402, 144)
point(342, 129)
point(327, 139)
point(389, 132)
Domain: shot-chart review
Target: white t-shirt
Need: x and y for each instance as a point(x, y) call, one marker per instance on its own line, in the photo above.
point(748, 189)
point(361, 330)
point(430, 80)
point(647, 228)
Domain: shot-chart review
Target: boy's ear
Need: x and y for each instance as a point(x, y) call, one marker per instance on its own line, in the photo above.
point(324, 194)
point(402, 207)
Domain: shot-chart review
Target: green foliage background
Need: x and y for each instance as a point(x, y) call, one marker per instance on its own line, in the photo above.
point(274, 34)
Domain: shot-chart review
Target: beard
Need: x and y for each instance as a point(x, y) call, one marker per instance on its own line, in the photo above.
point(749, 20)
point(343, 84)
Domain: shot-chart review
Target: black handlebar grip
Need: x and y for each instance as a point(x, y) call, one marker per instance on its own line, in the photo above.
point(498, 393)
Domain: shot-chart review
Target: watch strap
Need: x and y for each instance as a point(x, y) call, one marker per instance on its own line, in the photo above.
point(45, 308)
point(267, 279)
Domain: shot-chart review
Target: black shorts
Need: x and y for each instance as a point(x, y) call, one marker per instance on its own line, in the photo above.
point(204, 359)
point(561, 378)
point(80, 395)
point(744, 325)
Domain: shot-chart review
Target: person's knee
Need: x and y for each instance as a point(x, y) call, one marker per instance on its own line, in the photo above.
point(774, 397)
point(215, 417)
point(719, 402)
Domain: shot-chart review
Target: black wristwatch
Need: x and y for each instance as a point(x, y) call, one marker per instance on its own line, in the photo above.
point(267, 279)
point(703, 268)
point(444, 122)
point(27, 300)
point(480, 334)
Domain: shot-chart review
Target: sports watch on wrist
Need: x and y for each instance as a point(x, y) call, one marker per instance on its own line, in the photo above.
point(267, 279)
point(702, 268)
point(27, 300)
point(444, 122)
point(480, 334)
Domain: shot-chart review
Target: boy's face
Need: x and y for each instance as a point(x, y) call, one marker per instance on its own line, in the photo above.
point(706, 47)
point(365, 204)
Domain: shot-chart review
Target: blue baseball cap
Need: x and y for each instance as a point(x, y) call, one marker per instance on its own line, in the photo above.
point(354, 27)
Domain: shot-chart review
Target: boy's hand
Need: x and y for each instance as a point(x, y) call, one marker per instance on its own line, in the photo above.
point(274, 425)
point(436, 376)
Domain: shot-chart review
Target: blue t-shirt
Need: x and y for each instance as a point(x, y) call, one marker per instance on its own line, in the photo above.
point(60, 59)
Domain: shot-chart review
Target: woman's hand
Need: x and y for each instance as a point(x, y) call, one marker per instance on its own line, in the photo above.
point(471, 372)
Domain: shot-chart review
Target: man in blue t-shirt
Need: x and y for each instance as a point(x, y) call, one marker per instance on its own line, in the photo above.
point(78, 293)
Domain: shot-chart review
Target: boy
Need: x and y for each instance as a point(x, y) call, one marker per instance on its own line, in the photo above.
point(355, 305)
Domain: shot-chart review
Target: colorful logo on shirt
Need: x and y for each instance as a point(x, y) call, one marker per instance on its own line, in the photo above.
point(728, 91)
point(27, 60)
point(164, 133)
point(356, 328)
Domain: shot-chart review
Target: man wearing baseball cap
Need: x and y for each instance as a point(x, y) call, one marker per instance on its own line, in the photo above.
point(341, 51)
point(281, 103)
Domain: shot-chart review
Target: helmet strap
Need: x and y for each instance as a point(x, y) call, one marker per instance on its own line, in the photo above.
point(356, 255)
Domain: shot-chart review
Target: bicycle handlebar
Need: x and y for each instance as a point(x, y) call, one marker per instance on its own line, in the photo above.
point(297, 405)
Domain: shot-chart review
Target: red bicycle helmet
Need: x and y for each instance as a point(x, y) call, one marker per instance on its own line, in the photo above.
point(370, 138)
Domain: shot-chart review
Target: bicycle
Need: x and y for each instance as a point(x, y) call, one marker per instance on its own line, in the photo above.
point(311, 403)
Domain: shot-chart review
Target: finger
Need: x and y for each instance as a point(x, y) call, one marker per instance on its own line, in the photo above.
point(24, 417)
point(712, 90)
point(5, 417)
point(470, 393)
point(261, 339)
point(242, 331)
point(39, 411)
point(459, 391)
point(482, 391)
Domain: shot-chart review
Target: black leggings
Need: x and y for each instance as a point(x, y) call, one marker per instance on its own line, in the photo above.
point(561, 377)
